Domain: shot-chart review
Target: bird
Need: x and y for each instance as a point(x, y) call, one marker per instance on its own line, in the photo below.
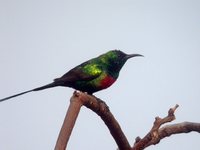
point(91, 76)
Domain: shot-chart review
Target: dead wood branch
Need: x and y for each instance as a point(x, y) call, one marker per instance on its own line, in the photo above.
point(98, 106)
point(156, 133)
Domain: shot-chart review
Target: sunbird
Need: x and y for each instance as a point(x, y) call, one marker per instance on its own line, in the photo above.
point(91, 76)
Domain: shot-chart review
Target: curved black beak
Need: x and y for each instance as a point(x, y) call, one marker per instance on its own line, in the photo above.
point(133, 55)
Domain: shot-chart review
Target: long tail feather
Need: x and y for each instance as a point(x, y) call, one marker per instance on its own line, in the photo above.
point(53, 84)
point(1, 100)
point(36, 89)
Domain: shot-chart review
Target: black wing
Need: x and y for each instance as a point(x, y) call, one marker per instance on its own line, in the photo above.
point(81, 73)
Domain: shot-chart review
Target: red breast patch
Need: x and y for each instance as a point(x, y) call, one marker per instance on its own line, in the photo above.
point(107, 81)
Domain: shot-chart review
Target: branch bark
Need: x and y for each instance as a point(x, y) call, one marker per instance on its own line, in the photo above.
point(68, 124)
point(178, 128)
point(156, 133)
point(101, 109)
point(98, 106)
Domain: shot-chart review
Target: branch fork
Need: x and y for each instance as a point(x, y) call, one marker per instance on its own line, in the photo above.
point(98, 106)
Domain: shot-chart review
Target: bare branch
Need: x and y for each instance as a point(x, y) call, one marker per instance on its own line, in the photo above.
point(100, 108)
point(154, 136)
point(156, 133)
point(184, 127)
point(69, 122)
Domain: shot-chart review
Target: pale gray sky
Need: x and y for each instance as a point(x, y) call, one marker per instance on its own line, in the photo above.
point(42, 39)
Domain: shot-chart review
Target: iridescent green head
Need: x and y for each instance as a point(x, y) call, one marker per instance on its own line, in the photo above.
point(115, 59)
